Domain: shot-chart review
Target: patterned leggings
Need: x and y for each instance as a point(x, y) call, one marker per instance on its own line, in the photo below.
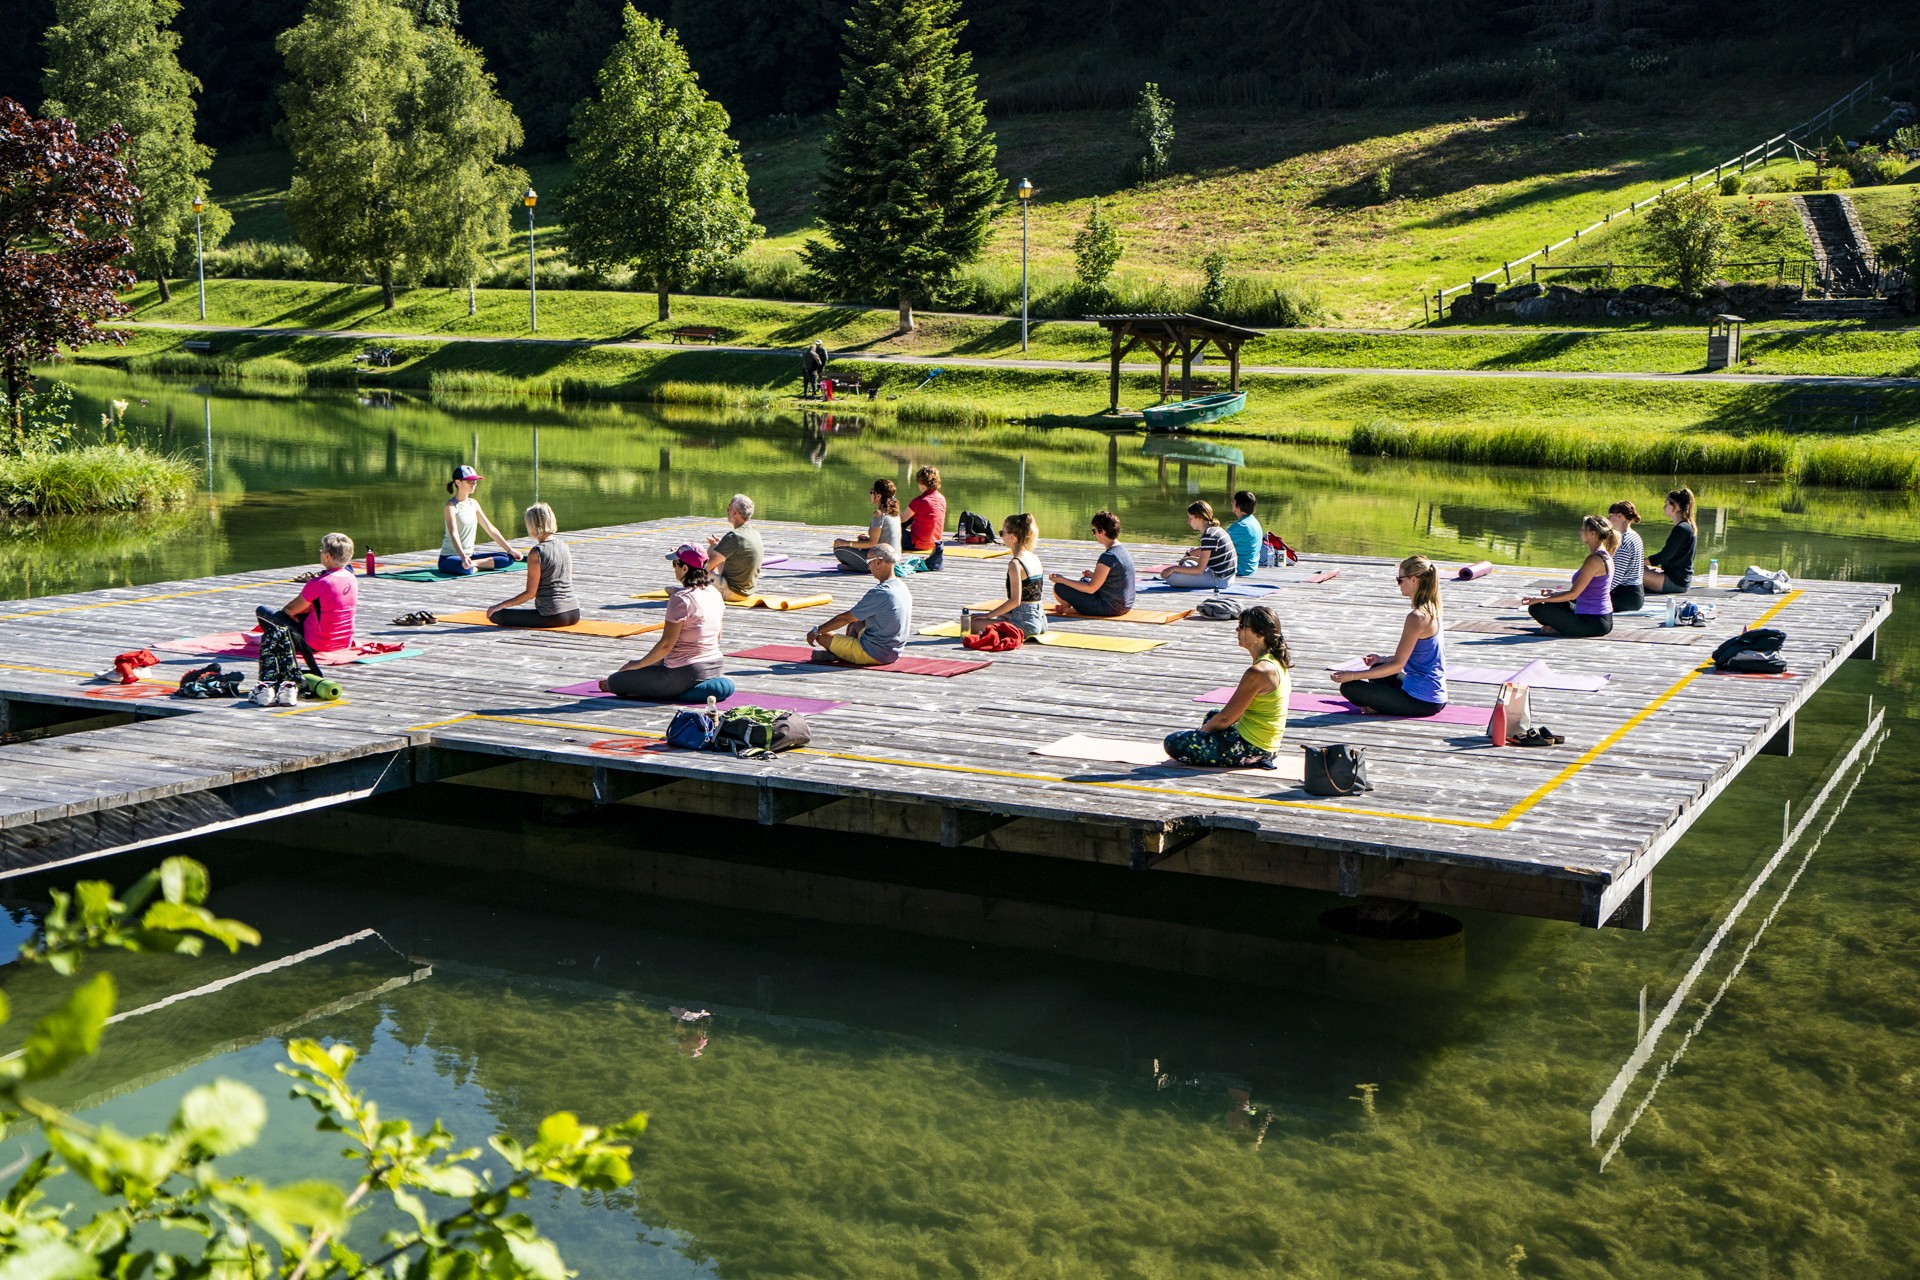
point(1221, 747)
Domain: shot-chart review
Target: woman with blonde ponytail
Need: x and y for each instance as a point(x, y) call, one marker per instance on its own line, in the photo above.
point(1586, 607)
point(1413, 680)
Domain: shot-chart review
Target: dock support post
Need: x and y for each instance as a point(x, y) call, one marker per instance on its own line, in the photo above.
point(1781, 743)
point(964, 826)
point(1148, 849)
point(778, 806)
point(610, 786)
point(1868, 649)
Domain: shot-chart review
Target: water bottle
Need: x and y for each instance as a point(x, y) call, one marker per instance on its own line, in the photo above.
point(966, 622)
point(369, 562)
point(1497, 723)
point(1713, 573)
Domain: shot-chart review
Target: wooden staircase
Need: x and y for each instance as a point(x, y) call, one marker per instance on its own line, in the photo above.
point(1841, 253)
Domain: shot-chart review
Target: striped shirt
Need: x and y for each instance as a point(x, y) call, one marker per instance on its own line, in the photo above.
point(1221, 559)
point(1630, 561)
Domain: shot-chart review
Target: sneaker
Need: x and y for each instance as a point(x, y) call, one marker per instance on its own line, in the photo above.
point(264, 695)
point(288, 696)
point(936, 557)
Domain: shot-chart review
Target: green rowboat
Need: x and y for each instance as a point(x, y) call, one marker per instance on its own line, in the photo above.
point(1188, 413)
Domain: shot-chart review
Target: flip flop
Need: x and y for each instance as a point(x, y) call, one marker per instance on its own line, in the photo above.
point(418, 618)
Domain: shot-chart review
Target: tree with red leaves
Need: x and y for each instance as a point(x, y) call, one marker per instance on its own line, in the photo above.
point(63, 203)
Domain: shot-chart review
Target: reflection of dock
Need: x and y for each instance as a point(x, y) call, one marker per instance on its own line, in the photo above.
point(1570, 833)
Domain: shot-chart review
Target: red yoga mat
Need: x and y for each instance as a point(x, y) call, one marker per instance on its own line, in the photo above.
point(904, 666)
point(243, 644)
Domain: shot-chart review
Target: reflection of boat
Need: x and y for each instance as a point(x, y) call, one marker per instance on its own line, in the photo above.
point(1187, 413)
point(1187, 449)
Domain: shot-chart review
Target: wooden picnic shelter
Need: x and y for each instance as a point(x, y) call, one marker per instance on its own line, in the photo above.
point(1167, 334)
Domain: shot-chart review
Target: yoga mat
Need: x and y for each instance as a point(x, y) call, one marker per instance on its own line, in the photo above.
point(246, 644)
point(1288, 767)
point(741, 698)
point(584, 627)
point(1155, 616)
point(945, 630)
point(1645, 611)
point(1104, 644)
point(977, 551)
point(1535, 675)
point(1252, 590)
point(1640, 635)
point(434, 575)
point(807, 566)
point(754, 601)
point(904, 666)
point(1478, 569)
point(1328, 704)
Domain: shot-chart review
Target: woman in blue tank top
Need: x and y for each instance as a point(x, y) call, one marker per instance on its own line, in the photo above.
point(1586, 607)
point(1413, 680)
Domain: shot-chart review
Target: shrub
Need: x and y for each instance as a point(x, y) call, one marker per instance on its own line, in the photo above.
point(1831, 180)
point(1153, 127)
point(1381, 185)
point(1885, 171)
point(1687, 235)
point(260, 260)
point(1732, 184)
point(1213, 293)
point(102, 477)
point(1096, 250)
point(1760, 185)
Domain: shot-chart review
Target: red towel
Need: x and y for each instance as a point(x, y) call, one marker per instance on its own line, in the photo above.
point(999, 637)
point(125, 664)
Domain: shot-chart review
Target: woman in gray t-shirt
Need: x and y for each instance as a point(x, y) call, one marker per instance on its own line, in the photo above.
point(883, 529)
point(549, 579)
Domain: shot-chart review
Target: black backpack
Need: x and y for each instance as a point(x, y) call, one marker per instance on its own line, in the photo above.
point(1755, 652)
point(758, 738)
point(972, 526)
point(279, 659)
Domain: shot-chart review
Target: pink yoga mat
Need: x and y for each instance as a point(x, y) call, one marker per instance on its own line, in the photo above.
point(742, 698)
point(806, 566)
point(905, 666)
point(1327, 704)
point(1535, 675)
point(1468, 572)
point(243, 644)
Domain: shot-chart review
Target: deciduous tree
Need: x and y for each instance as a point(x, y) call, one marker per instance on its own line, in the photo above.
point(910, 184)
point(659, 186)
point(66, 203)
point(1687, 235)
point(1153, 128)
point(117, 62)
point(1096, 248)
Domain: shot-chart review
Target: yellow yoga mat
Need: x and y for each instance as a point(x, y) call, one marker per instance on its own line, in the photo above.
point(658, 594)
point(1106, 644)
point(585, 627)
point(781, 602)
point(950, 630)
point(978, 551)
point(1131, 615)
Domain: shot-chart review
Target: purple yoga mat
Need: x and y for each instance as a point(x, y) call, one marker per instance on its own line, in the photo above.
point(1327, 704)
point(741, 698)
point(1479, 569)
point(806, 566)
point(1535, 675)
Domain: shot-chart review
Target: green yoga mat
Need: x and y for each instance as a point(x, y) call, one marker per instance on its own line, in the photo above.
point(434, 575)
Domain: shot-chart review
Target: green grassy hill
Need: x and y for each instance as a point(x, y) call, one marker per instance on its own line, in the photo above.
point(1287, 193)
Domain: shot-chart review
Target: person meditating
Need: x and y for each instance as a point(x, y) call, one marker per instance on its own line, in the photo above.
point(1247, 731)
point(1630, 562)
point(1108, 589)
point(734, 557)
point(926, 521)
point(1413, 680)
point(877, 625)
point(1023, 606)
point(1245, 533)
point(1586, 607)
point(549, 579)
point(464, 518)
point(688, 651)
point(321, 616)
point(1670, 569)
point(1212, 564)
point(883, 529)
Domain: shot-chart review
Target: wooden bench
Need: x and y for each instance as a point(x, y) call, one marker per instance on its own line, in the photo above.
point(1201, 386)
point(844, 384)
point(1859, 404)
point(198, 346)
point(695, 333)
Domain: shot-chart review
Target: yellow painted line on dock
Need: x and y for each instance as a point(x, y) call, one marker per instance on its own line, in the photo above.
point(46, 671)
point(1494, 824)
point(171, 595)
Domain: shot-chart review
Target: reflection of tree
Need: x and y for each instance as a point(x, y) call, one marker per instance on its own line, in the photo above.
point(83, 553)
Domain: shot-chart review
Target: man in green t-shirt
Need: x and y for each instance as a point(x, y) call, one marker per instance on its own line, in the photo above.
point(736, 555)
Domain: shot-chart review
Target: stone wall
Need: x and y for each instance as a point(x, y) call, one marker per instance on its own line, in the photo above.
point(1563, 302)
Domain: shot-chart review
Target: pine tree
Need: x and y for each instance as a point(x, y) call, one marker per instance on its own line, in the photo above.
point(396, 135)
point(117, 62)
point(910, 184)
point(659, 184)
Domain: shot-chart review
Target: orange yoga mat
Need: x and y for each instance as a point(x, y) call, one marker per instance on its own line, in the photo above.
point(1131, 615)
point(584, 627)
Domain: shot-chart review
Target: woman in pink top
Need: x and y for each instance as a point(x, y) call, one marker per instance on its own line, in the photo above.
point(688, 651)
point(321, 616)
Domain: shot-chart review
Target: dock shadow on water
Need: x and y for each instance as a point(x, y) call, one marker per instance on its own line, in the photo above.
point(1728, 1094)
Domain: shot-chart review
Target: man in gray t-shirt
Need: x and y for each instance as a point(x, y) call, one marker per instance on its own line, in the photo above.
point(876, 627)
point(737, 553)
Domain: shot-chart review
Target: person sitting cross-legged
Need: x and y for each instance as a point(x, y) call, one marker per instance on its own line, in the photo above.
point(734, 557)
point(1247, 731)
point(1108, 589)
point(321, 616)
point(872, 632)
point(688, 651)
point(549, 586)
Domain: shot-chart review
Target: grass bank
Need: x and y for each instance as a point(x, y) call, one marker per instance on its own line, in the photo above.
point(1661, 428)
point(93, 478)
point(606, 316)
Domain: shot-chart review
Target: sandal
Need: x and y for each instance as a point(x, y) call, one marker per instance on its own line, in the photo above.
point(1537, 736)
point(418, 618)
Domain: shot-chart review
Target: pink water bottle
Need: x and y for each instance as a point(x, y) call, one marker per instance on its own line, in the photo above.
point(369, 562)
point(1497, 724)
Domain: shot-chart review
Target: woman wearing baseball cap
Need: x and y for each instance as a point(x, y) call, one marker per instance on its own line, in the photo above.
point(688, 650)
point(464, 518)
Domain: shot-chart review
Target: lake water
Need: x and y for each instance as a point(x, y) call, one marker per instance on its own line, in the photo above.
point(1732, 1093)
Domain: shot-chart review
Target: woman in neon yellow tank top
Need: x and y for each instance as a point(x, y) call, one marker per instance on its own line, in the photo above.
point(1247, 731)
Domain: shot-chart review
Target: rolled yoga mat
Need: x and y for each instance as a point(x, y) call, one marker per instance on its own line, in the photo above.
point(1478, 569)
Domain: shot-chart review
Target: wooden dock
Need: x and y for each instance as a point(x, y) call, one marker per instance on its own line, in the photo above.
point(1570, 833)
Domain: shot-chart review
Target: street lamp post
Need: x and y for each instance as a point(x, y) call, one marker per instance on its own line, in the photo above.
point(533, 293)
point(199, 254)
point(1025, 191)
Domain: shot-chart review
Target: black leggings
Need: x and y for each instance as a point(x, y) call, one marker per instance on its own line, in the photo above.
point(1083, 601)
point(1629, 596)
point(1562, 618)
point(1668, 587)
point(1386, 696)
point(660, 683)
point(533, 618)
